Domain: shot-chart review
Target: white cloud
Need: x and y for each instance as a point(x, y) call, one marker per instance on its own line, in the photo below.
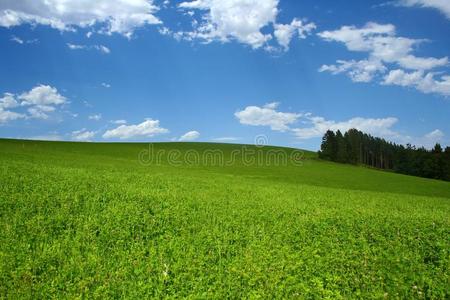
point(119, 122)
point(96, 117)
point(21, 41)
point(39, 101)
point(190, 136)
point(42, 95)
point(384, 48)
point(422, 63)
point(285, 32)
point(106, 85)
point(441, 5)
point(358, 71)
point(146, 129)
point(6, 102)
point(6, 116)
point(316, 126)
point(267, 116)
point(240, 20)
point(382, 44)
point(76, 47)
point(17, 40)
point(226, 139)
point(428, 140)
point(319, 125)
point(435, 135)
point(83, 135)
point(379, 127)
point(115, 16)
point(40, 111)
point(100, 48)
point(424, 82)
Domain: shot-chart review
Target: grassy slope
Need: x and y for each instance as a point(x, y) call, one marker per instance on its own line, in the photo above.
point(89, 218)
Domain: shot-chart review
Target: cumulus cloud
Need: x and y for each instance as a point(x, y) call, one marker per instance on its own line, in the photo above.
point(114, 16)
point(382, 44)
point(39, 102)
point(379, 127)
point(441, 5)
point(241, 20)
point(384, 49)
point(316, 126)
point(6, 102)
point(319, 125)
point(44, 95)
point(83, 135)
point(190, 136)
point(106, 85)
point(266, 116)
point(146, 129)
point(424, 82)
point(358, 71)
point(40, 111)
point(285, 32)
point(100, 48)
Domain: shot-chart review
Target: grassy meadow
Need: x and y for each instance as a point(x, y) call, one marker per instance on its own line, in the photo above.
point(87, 220)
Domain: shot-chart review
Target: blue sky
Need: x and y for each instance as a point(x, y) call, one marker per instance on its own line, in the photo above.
point(228, 70)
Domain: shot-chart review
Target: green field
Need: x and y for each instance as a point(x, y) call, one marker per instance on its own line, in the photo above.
point(95, 221)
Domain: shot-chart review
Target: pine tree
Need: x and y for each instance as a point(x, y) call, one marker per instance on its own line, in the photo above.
point(356, 147)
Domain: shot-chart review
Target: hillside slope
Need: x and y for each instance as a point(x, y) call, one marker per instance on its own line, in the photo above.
point(204, 220)
point(307, 170)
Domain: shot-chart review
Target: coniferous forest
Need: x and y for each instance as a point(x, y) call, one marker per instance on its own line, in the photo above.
point(356, 147)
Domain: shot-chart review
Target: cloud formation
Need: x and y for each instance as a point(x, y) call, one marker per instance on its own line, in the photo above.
point(442, 5)
point(39, 102)
point(424, 82)
point(6, 102)
point(316, 126)
point(385, 49)
point(21, 41)
point(285, 32)
point(319, 125)
point(239, 20)
point(266, 116)
point(146, 129)
point(100, 48)
point(83, 135)
point(189, 136)
point(114, 16)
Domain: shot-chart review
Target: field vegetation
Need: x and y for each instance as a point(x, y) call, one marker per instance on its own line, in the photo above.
point(100, 221)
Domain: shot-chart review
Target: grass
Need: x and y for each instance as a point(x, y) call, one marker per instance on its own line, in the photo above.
point(91, 220)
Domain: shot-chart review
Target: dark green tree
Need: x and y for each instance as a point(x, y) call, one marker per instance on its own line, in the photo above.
point(329, 147)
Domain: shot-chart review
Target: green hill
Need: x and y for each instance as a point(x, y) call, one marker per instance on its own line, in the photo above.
point(214, 221)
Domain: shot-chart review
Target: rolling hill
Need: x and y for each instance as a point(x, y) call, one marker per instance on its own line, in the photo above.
point(213, 221)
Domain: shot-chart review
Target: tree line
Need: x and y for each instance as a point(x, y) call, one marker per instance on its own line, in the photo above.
point(356, 147)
